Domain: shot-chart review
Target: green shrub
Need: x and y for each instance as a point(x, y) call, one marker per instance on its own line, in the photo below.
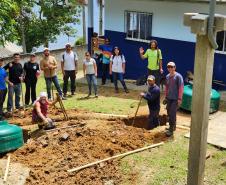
point(80, 41)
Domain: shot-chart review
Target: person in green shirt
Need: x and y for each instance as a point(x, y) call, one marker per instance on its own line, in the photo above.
point(154, 56)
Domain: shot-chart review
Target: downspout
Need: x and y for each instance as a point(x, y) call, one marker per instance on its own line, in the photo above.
point(211, 35)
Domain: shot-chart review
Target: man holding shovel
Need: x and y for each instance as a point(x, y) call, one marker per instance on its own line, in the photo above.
point(39, 113)
point(153, 100)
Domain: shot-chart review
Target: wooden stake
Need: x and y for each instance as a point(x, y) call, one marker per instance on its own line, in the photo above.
point(137, 110)
point(7, 169)
point(117, 156)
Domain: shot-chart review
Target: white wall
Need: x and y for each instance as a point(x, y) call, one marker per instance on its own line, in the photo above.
point(167, 16)
point(94, 15)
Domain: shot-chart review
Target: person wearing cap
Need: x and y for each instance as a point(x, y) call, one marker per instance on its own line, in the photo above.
point(154, 56)
point(31, 72)
point(174, 93)
point(3, 88)
point(118, 69)
point(106, 51)
point(15, 71)
point(49, 66)
point(69, 67)
point(153, 100)
point(40, 110)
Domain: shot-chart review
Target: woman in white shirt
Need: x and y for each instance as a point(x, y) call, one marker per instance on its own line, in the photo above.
point(90, 72)
point(117, 68)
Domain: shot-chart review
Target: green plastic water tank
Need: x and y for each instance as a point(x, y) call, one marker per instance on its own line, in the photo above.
point(11, 137)
point(187, 99)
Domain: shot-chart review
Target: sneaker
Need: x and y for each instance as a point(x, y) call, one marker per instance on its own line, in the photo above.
point(65, 95)
point(88, 95)
point(169, 133)
point(96, 95)
point(116, 91)
point(102, 83)
point(174, 128)
point(72, 93)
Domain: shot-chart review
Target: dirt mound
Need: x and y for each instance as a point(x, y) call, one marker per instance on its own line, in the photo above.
point(51, 154)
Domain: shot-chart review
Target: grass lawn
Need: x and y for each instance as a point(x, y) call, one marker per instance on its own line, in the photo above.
point(107, 102)
point(167, 165)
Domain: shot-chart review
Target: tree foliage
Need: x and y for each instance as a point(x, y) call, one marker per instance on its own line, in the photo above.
point(41, 21)
point(7, 24)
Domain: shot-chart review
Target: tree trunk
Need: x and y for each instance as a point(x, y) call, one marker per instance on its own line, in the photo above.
point(23, 40)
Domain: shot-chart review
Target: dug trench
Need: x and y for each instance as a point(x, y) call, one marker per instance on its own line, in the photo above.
point(88, 138)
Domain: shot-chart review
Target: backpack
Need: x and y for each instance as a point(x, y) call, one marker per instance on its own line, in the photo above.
point(141, 80)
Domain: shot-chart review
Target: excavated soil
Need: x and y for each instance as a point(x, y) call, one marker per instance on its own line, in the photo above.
point(50, 154)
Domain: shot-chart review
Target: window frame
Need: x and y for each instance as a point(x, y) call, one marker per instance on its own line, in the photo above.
point(223, 51)
point(139, 25)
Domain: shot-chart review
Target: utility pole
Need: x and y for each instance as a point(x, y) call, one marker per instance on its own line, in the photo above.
point(84, 22)
point(203, 71)
point(101, 17)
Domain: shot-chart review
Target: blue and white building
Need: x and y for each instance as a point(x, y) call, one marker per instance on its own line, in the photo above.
point(131, 24)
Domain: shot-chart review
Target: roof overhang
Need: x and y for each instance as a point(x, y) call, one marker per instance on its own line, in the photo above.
point(193, 1)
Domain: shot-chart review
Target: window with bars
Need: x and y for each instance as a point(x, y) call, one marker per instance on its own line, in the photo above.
point(221, 41)
point(138, 25)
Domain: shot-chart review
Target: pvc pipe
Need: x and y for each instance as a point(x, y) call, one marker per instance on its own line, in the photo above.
point(211, 35)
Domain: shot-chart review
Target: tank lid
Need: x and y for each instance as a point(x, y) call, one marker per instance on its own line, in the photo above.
point(8, 129)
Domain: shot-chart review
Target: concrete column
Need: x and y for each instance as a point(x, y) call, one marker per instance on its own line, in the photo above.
point(203, 71)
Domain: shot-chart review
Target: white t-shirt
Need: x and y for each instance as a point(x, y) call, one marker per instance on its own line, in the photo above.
point(117, 62)
point(69, 60)
point(89, 66)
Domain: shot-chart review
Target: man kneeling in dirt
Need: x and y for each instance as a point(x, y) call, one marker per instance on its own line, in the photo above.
point(153, 99)
point(39, 113)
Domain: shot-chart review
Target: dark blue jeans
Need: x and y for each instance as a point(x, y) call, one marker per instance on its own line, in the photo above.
point(91, 79)
point(17, 90)
point(116, 77)
point(49, 81)
point(172, 111)
point(153, 119)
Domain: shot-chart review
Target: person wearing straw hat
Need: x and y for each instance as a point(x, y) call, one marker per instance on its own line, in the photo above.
point(39, 113)
point(174, 93)
point(153, 100)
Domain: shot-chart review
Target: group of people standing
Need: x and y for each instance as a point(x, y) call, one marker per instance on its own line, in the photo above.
point(113, 64)
point(174, 86)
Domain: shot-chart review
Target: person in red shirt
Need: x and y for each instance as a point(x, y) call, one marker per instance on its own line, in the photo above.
point(39, 113)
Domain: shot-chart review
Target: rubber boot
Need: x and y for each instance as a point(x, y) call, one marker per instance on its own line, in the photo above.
point(169, 132)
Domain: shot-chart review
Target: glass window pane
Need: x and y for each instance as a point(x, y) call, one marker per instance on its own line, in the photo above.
point(149, 27)
point(220, 38)
point(129, 33)
point(225, 41)
point(143, 23)
point(138, 25)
